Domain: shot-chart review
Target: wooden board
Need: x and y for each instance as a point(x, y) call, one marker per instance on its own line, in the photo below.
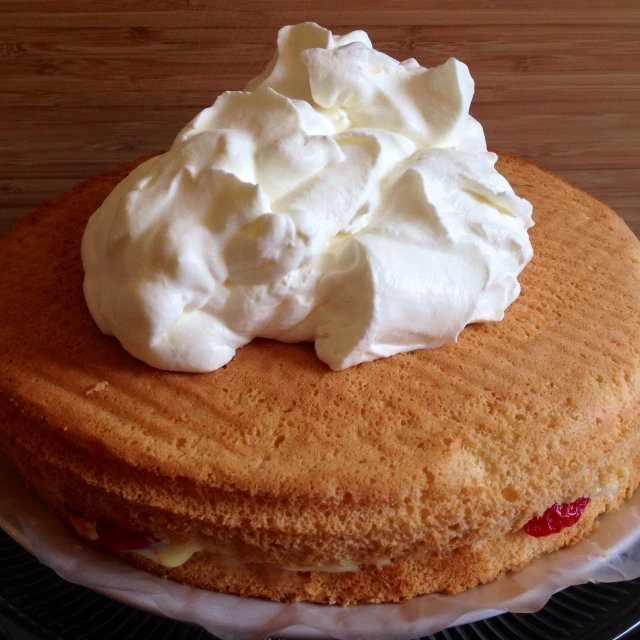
point(87, 85)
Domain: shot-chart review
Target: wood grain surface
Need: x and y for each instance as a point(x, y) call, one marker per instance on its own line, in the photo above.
point(86, 85)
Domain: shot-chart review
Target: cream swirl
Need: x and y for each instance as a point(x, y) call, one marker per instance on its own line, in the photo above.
point(343, 197)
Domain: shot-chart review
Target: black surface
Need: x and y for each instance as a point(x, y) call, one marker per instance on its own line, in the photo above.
point(36, 604)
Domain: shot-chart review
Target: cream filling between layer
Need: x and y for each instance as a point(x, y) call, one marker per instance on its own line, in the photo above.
point(342, 568)
point(608, 485)
point(171, 555)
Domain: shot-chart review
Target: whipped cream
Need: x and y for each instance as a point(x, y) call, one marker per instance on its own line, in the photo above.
point(343, 198)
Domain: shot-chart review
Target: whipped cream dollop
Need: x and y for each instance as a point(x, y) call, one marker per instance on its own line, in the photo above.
point(343, 198)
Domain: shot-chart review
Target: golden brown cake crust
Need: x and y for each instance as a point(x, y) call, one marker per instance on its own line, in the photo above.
point(279, 460)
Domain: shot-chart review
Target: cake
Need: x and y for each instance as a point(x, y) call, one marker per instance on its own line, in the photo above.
point(431, 471)
point(424, 467)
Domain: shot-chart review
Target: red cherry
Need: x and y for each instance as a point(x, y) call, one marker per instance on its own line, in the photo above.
point(118, 539)
point(556, 518)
